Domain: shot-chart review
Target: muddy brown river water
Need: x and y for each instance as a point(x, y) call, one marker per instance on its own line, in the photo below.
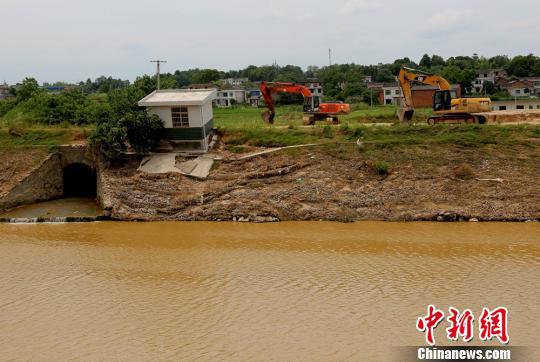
point(287, 291)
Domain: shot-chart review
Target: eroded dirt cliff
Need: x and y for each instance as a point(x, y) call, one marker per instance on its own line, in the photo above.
point(340, 182)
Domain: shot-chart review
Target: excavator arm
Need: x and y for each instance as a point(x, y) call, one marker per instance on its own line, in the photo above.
point(268, 89)
point(407, 77)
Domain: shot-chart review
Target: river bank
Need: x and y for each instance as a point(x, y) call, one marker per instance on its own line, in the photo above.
point(393, 174)
point(338, 183)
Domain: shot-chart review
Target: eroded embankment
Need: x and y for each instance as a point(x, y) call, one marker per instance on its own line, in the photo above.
point(340, 182)
point(492, 182)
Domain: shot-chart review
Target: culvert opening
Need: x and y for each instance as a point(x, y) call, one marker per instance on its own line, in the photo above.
point(79, 181)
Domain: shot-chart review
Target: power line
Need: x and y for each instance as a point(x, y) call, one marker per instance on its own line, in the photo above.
point(158, 62)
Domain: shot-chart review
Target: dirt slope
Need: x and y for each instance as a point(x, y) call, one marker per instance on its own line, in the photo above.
point(340, 183)
point(17, 163)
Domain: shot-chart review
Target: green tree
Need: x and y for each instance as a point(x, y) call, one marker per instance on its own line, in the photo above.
point(138, 129)
point(499, 61)
point(206, 76)
point(109, 140)
point(425, 62)
point(27, 89)
point(437, 61)
point(524, 66)
point(142, 130)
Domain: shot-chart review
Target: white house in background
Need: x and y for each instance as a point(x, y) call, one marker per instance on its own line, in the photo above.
point(520, 88)
point(515, 104)
point(254, 97)
point(186, 114)
point(535, 81)
point(227, 98)
point(488, 75)
point(391, 93)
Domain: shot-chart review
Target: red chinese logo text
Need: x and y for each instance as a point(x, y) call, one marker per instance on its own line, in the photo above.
point(492, 324)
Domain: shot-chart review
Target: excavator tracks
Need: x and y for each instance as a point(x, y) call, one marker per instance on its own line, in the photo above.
point(457, 119)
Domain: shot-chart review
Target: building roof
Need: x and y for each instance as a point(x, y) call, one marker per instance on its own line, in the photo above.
point(516, 84)
point(202, 86)
point(177, 97)
point(530, 79)
point(390, 85)
point(232, 90)
point(374, 85)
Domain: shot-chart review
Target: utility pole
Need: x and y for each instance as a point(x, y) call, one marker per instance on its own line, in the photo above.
point(330, 56)
point(158, 62)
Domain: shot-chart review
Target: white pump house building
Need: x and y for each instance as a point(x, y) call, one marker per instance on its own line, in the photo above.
point(187, 115)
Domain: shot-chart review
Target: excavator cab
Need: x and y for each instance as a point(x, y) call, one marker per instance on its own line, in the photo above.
point(311, 104)
point(442, 100)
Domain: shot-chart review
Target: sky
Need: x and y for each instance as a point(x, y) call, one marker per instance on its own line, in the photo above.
point(72, 40)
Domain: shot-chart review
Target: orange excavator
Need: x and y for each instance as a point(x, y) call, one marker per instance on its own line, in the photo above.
point(314, 110)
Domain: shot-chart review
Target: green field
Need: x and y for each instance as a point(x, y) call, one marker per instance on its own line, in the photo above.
point(243, 126)
point(41, 136)
point(241, 117)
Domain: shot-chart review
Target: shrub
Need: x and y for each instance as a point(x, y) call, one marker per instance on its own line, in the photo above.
point(382, 168)
point(6, 106)
point(109, 140)
point(344, 128)
point(358, 133)
point(142, 130)
point(328, 132)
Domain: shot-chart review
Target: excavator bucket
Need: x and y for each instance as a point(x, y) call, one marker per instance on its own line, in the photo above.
point(405, 114)
point(268, 117)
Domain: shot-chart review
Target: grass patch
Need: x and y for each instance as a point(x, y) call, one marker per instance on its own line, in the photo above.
point(328, 132)
point(270, 137)
point(382, 168)
point(244, 117)
point(38, 137)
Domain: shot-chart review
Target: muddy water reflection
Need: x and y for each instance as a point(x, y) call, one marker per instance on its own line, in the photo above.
point(310, 291)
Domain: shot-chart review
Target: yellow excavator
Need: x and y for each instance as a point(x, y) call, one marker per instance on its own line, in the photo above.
point(447, 107)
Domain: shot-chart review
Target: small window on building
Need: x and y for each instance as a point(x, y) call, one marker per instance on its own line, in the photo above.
point(520, 107)
point(502, 108)
point(518, 91)
point(388, 92)
point(530, 107)
point(398, 91)
point(180, 117)
point(388, 101)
